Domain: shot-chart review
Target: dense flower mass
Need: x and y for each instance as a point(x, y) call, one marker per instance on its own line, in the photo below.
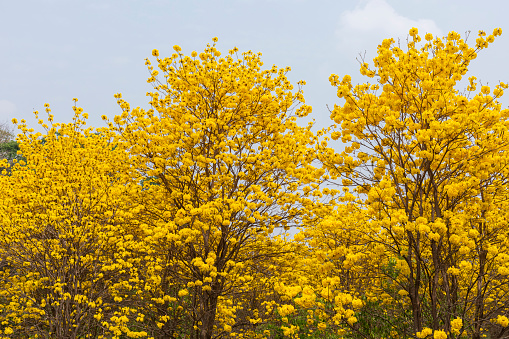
point(172, 222)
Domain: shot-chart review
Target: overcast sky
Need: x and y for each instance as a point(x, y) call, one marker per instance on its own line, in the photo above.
point(54, 50)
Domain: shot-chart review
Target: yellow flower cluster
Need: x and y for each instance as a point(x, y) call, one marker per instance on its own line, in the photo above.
point(163, 217)
point(172, 221)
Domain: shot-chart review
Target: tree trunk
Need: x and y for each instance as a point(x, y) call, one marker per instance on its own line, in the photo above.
point(209, 313)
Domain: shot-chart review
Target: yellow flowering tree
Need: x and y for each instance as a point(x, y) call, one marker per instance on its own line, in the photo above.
point(430, 166)
point(223, 160)
point(163, 224)
point(62, 240)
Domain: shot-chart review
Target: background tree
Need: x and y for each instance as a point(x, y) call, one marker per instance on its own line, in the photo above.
point(8, 146)
point(6, 132)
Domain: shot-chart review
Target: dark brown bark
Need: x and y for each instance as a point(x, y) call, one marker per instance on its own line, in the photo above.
point(414, 284)
point(434, 285)
point(209, 314)
point(479, 301)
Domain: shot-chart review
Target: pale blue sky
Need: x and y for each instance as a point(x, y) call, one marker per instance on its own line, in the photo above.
point(54, 50)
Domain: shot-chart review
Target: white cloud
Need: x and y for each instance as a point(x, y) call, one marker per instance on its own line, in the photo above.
point(365, 27)
point(7, 110)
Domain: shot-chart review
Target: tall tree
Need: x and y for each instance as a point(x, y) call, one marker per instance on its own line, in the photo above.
point(431, 166)
point(222, 142)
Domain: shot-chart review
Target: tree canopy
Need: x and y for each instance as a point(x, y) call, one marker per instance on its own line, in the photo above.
point(172, 222)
